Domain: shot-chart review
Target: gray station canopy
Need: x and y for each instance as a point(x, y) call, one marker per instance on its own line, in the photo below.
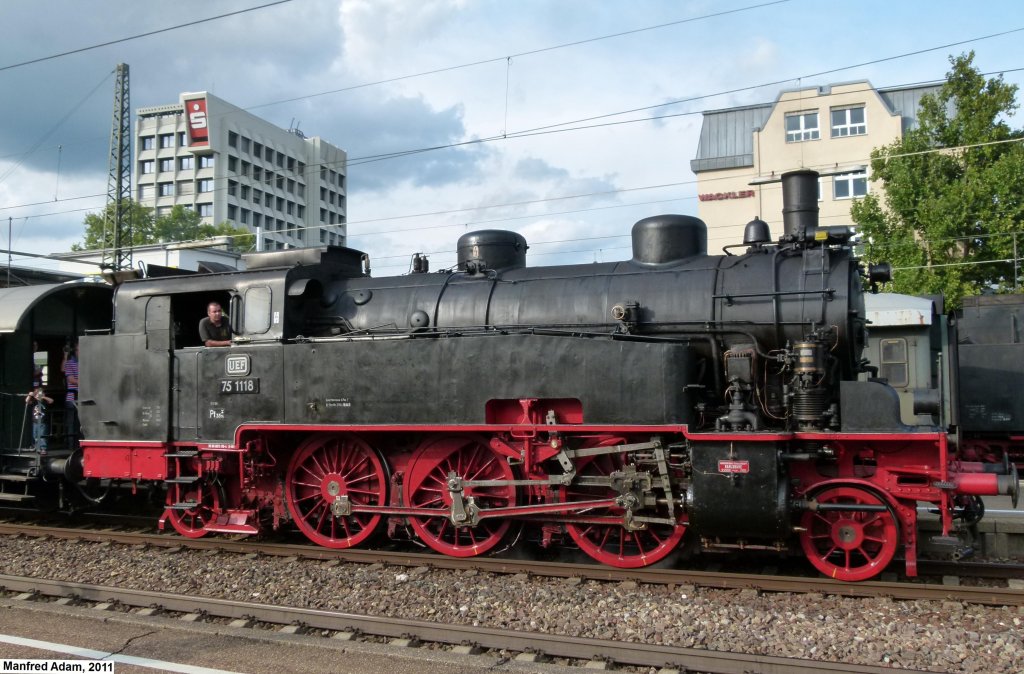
point(76, 305)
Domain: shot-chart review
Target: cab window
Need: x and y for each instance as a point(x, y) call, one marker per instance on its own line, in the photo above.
point(257, 307)
point(893, 366)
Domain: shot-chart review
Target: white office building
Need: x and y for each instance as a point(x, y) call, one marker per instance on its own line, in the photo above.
point(232, 166)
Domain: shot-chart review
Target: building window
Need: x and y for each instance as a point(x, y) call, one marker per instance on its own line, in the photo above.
point(268, 154)
point(182, 139)
point(186, 187)
point(302, 170)
point(206, 161)
point(232, 212)
point(232, 139)
point(245, 193)
point(232, 188)
point(893, 367)
point(290, 208)
point(167, 164)
point(280, 182)
point(323, 215)
point(280, 204)
point(257, 173)
point(148, 142)
point(146, 166)
point(257, 196)
point(257, 219)
point(167, 140)
point(166, 189)
point(301, 211)
point(280, 159)
point(206, 185)
point(245, 144)
point(245, 167)
point(848, 122)
point(232, 164)
point(291, 186)
point(850, 185)
point(145, 192)
point(268, 199)
point(163, 211)
point(185, 163)
point(301, 190)
point(802, 126)
point(205, 210)
point(244, 216)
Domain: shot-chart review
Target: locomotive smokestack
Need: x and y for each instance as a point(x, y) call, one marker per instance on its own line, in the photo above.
point(799, 202)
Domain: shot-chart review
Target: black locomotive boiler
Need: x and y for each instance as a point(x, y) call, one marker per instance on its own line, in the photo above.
point(612, 407)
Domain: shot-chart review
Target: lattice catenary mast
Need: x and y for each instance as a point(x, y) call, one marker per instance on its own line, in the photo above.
point(117, 226)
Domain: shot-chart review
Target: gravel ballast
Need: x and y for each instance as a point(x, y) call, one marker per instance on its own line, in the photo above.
point(938, 636)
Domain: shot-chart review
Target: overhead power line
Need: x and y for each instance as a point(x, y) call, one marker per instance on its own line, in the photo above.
point(507, 57)
point(140, 35)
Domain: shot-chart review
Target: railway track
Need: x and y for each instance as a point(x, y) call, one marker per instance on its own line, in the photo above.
point(471, 640)
point(760, 582)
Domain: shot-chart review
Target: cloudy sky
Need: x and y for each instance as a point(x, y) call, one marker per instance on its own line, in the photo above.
point(565, 120)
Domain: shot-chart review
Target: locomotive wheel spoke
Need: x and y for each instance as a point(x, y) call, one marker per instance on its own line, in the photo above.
point(426, 486)
point(191, 522)
point(324, 469)
point(613, 544)
point(850, 545)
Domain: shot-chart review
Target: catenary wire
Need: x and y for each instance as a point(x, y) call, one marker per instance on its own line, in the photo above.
point(140, 35)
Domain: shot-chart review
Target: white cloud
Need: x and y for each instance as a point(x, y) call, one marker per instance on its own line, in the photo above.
point(291, 52)
point(379, 35)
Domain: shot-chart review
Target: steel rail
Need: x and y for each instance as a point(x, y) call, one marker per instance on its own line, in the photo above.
point(992, 596)
point(627, 653)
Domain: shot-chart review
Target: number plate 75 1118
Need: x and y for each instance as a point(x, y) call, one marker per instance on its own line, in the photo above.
point(246, 385)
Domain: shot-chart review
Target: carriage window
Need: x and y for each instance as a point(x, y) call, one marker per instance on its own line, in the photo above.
point(257, 310)
point(894, 362)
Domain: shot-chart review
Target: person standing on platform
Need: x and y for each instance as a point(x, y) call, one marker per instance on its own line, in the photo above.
point(71, 399)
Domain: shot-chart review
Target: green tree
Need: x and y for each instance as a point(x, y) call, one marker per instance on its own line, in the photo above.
point(140, 218)
point(953, 191)
point(241, 240)
point(185, 224)
point(181, 224)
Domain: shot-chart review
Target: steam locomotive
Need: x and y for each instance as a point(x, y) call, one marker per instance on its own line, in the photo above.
point(615, 408)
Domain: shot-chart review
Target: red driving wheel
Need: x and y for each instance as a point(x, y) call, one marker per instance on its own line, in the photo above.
point(601, 534)
point(327, 470)
point(426, 486)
